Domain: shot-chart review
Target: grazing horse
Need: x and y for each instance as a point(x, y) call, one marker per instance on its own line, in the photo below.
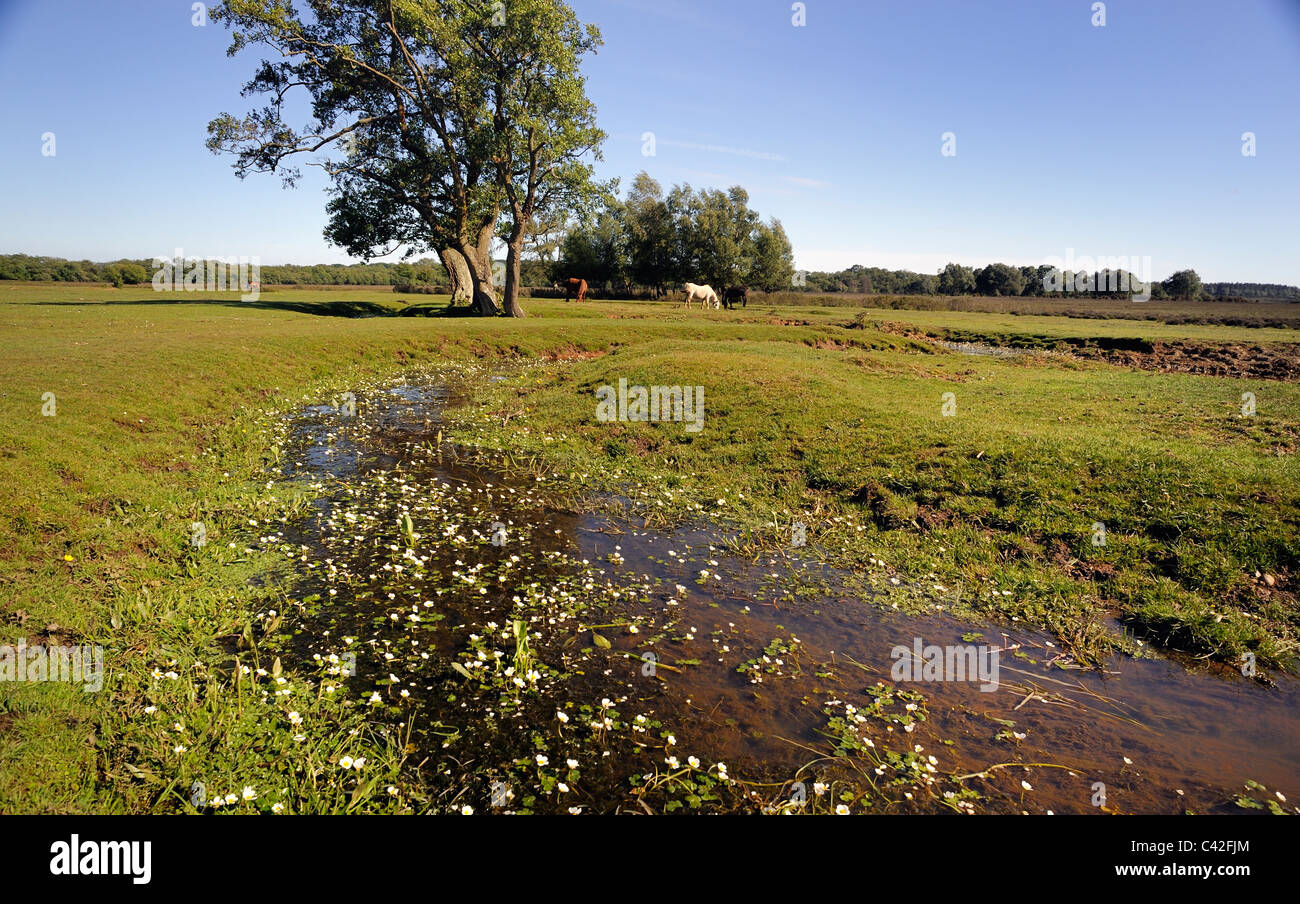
point(704, 293)
point(733, 294)
point(573, 287)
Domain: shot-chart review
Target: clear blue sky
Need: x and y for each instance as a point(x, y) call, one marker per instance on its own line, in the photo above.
point(1121, 140)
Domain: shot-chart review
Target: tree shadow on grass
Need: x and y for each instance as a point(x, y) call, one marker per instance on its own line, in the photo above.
point(349, 309)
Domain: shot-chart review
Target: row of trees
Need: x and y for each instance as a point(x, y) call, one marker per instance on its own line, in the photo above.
point(1006, 280)
point(1253, 290)
point(56, 269)
point(655, 240)
point(136, 271)
point(419, 274)
point(642, 242)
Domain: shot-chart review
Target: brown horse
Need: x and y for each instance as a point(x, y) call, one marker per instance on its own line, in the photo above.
point(733, 294)
point(573, 287)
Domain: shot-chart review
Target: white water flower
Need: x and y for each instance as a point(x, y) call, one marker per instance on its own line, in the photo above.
point(562, 715)
point(841, 810)
point(572, 763)
point(249, 793)
point(1024, 784)
point(345, 762)
point(467, 810)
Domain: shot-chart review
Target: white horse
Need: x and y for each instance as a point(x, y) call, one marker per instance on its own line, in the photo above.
point(704, 293)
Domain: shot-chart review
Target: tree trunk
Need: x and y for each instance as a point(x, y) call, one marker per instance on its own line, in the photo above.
point(462, 285)
point(513, 265)
point(478, 258)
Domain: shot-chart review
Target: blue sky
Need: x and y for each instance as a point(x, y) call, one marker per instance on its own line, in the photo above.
point(1115, 140)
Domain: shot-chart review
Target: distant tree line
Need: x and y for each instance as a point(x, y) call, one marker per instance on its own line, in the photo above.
point(655, 241)
point(141, 271)
point(1041, 281)
point(1253, 290)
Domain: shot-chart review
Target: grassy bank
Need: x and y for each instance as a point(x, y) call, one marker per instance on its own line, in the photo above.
point(166, 415)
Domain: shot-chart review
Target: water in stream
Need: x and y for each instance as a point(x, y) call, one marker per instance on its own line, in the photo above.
point(648, 657)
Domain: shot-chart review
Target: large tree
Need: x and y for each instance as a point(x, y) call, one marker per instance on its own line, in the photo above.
point(436, 116)
point(595, 249)
point(544, 124)
point(999, 279)
point(773, 266)
point(709, 236)
point(955, 279)
point(718, 235)
point(651, 236)
point(1185, 284)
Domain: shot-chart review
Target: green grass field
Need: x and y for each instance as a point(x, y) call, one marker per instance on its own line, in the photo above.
point(166, 413)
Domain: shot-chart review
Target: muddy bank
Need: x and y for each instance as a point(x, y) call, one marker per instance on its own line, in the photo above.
point(545, 660)
point(1263, 361)
point(1273, 361)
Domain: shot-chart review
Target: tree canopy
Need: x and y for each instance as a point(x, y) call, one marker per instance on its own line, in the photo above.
point(655, 240)
point(436, 119)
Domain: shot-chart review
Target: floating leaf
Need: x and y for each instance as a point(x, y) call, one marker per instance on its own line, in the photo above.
point(600, 641)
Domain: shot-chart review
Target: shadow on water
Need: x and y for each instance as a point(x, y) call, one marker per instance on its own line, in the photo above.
point(757, 663)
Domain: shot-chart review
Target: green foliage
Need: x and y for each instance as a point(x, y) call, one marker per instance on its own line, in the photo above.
point(955, 279)
point(698, 236)
point(999, 279)
point(140, 271)
point(1253, 290)
point(596, 251)
point(1184, 284)
point(773, 258)
point(651, 235)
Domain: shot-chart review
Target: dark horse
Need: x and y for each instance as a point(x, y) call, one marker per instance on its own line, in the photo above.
point(573, 287)
point(733, 294)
